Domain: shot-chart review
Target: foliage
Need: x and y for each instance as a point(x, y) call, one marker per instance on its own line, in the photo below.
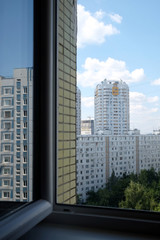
point(132, 191)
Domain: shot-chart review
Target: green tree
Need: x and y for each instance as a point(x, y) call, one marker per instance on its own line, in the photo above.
point(148, 178)
point(92, 198)
point(136, 197)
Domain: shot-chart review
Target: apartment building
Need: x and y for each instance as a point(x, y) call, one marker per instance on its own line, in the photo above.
point(78, 111)
point(111, 107)
point(87, 127)
point(148, 147)
point(98, 156)
point(16, 101)
point(91, 164)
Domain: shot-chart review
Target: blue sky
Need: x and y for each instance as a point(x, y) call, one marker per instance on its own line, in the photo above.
point(116, 39)
point(120, 39)
point(16, 35)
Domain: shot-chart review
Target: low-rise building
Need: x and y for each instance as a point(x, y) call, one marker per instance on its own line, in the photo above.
point(87, 127)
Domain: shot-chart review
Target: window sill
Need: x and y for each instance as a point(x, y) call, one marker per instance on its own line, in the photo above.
point(17, 224)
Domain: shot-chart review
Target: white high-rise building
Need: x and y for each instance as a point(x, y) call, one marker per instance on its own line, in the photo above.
point(78, 111)
point(111, 107)
point(16, 120)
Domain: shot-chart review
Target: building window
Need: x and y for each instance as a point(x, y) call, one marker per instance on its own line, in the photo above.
point(24, 171)
point(18, 109)
point(6, 194)
point(7, 102)
point(25, 101)
point(7, 147)
point(25, 159)
point(25, 113)
point(25, 195)
point(18, 83)
point(18, 97)
point(25, 147)
point(25, 124)
point(18, 183)
point(6, 171)
point(7, 114)
point(7, 125)
point(7, 91)
point(6, 159)
point(7, 136)
point(25, 183)
point(25, 89)
point(6, 182)
point(25, 136)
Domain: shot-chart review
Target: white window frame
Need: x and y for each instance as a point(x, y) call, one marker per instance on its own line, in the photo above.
point(5, 134)
point(8, 171)
point(9, 100)
point(8, 193)
point(7, 145)
point(7, 122)
point(7, 89)
point(9, 157)
point(9, 182)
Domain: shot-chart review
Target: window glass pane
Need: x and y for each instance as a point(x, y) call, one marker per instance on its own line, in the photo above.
point(117, 141)
point(16, 100)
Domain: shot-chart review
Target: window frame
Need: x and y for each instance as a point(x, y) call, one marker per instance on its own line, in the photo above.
point(19, 222)
point(44, 131)
point(9, 123)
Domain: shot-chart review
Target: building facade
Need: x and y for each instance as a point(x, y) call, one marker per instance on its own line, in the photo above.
point(98, 156)
point(66, 160)
point(78, 111)
point(87, 127)
point(111, 107)
point(16, 125)
point(91, 164)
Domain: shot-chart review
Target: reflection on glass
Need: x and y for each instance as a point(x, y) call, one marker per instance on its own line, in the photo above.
point(16, 100)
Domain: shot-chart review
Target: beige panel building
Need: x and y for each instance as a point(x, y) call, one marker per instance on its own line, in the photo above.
point(67, 34)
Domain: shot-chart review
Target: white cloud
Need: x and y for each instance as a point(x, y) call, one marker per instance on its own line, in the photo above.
point(87, 101)
point(156, 82)
point(99, 14)
point(154, 109)
point(137, 97)
point(116, 18)
point(153, 99)
point(143, 115)
point(140, 98)
point(90, 29)
point(96, 71)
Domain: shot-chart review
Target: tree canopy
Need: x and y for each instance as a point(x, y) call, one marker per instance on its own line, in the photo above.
point(141, 192)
